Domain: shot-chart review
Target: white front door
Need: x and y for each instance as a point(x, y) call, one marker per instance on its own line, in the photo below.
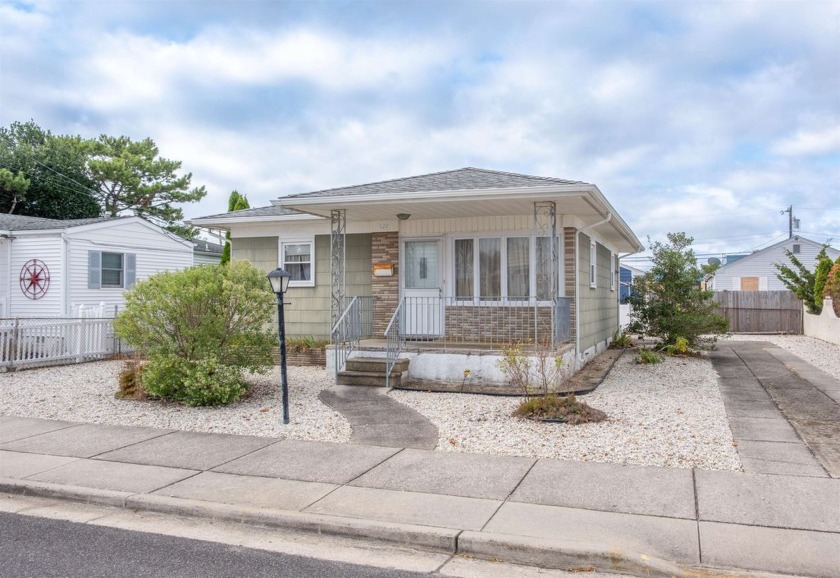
point(421, 279)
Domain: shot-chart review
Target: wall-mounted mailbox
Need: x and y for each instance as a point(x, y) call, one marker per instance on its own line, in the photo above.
point(383, 270)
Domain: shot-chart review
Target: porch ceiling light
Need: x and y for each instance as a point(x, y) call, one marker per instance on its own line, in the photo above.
point(403, 216)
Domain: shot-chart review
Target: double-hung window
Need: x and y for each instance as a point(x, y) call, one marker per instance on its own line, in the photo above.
point(593, 264)
point(298, 259)
point(511, 268)
point(108, 270)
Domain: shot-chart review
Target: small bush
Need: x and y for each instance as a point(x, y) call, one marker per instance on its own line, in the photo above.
point(679, 347)
point(552, 407)
point(201, 382)
point(621, 340)
point(306, 343)
point(648, 356)
point(131, 381)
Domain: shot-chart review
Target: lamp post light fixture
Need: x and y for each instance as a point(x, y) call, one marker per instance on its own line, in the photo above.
point(279, 279)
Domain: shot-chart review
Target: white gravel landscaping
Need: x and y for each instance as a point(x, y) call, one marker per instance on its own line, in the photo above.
point(821, 354)
point(85, 393)
point(670, 414)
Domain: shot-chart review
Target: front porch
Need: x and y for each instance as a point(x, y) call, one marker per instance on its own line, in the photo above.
point(449, 340)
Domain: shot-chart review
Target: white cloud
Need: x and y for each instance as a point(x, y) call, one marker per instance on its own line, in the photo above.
point(821, 141)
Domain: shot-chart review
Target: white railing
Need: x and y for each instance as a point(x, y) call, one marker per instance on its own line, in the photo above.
point(355, 323)
point(31, 342)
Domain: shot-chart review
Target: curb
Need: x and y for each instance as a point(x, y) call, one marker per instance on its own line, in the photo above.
point(515, 549)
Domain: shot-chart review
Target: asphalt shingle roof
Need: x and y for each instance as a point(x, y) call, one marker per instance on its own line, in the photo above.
point(22, 223)
point(272, 211)
point(202, 246)
point(456, 180)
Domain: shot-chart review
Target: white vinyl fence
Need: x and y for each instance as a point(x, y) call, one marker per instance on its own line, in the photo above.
point(27, 342)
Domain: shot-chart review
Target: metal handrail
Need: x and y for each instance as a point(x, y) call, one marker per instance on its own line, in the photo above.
point(355, 323)
point(343, 336)
point(394, 341)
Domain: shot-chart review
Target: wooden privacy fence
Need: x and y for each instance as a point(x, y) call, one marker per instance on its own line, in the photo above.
point(760, 311)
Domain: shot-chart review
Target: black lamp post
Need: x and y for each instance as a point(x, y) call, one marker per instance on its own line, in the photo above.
point(279, 280)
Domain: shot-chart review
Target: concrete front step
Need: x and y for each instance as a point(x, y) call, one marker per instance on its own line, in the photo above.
point(370, 371)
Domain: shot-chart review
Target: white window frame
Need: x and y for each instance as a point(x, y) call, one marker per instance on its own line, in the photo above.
point(102, 284)
point(476, 299)
point(612, 272)
point(282, 258)
point(593, 264)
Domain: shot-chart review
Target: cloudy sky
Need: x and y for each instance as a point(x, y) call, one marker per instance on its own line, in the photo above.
point(703, 117)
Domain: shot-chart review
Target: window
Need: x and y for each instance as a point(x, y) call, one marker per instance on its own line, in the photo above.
point(421, 265)
point(495, 268)
point(612, 272)
point(797, 249)
point(593, 270)
point(297, 258)
point(111, 270)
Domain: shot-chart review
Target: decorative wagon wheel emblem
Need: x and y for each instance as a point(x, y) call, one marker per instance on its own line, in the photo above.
point(34, 279)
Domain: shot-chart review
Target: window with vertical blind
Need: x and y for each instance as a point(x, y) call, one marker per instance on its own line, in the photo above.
point(510, 268)
point(298, 259)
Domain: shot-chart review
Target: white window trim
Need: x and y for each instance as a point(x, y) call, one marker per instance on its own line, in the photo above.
point(281, 253)
point(503, 236)
point(613, 272)
point(593, 264)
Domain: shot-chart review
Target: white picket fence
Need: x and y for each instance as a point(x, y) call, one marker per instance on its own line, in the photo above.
point(27, 342)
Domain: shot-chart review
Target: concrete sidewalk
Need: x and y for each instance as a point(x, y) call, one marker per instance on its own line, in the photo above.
point(641, 520)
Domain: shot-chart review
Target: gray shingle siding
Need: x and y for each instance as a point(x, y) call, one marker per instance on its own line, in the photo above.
point(599, 306)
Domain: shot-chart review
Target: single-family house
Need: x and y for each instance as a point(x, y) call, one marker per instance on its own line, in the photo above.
point(757, 271)
point(444, 268)
point(48, 267)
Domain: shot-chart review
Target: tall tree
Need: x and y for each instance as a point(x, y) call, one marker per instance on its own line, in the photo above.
point(131, 177)
point(236, 202)
point(800, 280)
point(43, 175)
point(667, 301)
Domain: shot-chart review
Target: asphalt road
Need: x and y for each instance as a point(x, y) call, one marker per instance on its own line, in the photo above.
point(42, 548)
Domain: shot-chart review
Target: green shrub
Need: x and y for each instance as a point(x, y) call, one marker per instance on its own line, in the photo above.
point(649, 356)
point(801, 281)
point(667, 301)
point(199, 328)
point(820, 280)
point(621, 340)
point(679, 347)
point(306, 343)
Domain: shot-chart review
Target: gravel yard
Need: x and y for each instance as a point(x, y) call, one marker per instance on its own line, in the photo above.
point(85, 393)
point(670, 414)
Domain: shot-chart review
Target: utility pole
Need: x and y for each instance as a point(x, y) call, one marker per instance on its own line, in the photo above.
point(789, 211)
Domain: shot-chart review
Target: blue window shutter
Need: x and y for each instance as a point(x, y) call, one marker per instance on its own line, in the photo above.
point(94, 269)
point(130, 269)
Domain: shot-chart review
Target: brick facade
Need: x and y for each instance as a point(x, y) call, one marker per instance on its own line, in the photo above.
point(385, 248)
point(489, 324)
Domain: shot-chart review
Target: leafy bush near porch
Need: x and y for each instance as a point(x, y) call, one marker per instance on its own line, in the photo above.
point(199, 328)
point(667, 301)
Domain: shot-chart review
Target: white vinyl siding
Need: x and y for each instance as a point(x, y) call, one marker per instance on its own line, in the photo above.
point(760, 265)
point(151, 252)
point(47, 249)
point(5, 276)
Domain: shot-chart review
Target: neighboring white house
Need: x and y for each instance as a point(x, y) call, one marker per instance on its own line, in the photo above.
point(756, 272)
point(49, 266)
point(626, 274)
